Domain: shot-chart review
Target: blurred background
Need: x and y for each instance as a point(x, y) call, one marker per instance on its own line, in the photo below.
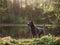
point(15, 14)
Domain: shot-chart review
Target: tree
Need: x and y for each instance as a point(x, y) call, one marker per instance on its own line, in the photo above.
point(16, 7)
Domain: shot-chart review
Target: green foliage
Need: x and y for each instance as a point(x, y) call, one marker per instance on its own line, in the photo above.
point(48, 40)
point(12, 19)
point(21, 20)
point(44, 40)
point(4, 42)
point(14, 41)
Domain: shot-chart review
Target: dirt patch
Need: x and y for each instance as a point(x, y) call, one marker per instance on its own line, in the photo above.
point(57, 38)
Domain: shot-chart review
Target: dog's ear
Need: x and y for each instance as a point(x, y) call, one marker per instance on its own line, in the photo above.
point(30, 21)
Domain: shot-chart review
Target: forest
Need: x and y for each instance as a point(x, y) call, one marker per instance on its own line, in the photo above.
point(14, 18)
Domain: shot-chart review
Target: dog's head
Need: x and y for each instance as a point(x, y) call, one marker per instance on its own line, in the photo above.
point(30, 23)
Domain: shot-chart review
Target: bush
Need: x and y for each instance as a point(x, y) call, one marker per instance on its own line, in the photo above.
point(45, 40)
point(14, 41)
